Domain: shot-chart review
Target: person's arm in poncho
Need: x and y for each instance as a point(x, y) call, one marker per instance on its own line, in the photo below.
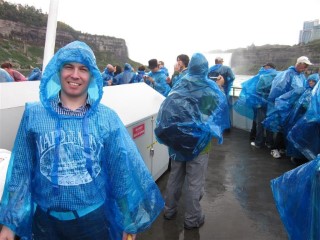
point(16, 208)
point(137, 197)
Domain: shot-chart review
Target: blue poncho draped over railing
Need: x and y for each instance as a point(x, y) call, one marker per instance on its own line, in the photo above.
point(254, 93)
point(297, 197)
point(305, 134)
point(194, 111)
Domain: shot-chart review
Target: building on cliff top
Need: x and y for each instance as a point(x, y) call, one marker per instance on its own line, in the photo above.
point(310, 32)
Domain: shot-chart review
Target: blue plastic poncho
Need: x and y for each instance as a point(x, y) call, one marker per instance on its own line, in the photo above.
point(194, 112)
point(297, 196)
point(63, 162)
point(305, 134)
point(252, 95)
point(295, 114)
point(286, 88)
point(107, 76)
point(5, 76)
point(178, 77)
point(35, 74)
point(127, 76)
point(227, 74)
point(160, 82)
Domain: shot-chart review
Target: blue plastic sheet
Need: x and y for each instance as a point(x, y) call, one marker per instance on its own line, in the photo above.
point(305, 134)
point(297, 197)
point(254, 93)
point(286, 88)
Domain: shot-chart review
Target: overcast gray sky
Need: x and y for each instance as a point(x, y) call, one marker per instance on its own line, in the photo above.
point(164, 29)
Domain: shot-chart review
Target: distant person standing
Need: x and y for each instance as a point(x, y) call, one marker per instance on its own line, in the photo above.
point(221, 70)
point(127, 76)
point(140, 73)
point(157, 78)
point(163, 68)
point(107, 75)
point(225, 71)
point(288, 83)
point(17, 76)
point(252, 103)
point(180, 68)
point(194, 112)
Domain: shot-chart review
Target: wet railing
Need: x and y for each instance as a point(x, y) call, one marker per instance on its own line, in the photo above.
point(237, 120)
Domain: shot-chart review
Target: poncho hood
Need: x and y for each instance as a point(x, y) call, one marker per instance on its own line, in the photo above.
point(78, 52)
point(198, 66)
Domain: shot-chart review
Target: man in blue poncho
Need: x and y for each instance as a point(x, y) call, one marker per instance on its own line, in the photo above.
point(294, 113)
point(194, 112)
point(107, 75)
point(252, 103)
point(304, 135)
point(157, 78)
point(288, 84)
point(225, 71)
point(180, 69)
point(75, 173)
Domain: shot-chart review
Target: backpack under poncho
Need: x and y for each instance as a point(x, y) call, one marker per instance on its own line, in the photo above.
point(194, 112)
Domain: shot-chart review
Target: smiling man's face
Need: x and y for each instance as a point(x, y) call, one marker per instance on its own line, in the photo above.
point(75, 79)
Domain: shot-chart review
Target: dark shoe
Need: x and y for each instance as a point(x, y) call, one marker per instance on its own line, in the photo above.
point(200, 223)
point(170, 217)
point(254, 145)
point(298, 161)
point(282, 151)
point(268, 145)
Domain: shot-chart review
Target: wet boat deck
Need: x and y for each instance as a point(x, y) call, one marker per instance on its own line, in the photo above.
point(238, 203)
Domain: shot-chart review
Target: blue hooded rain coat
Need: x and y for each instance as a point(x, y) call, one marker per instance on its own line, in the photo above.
point(66, 163)
point(194, 112)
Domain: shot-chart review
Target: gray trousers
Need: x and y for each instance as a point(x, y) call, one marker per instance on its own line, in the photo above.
point(193, 174)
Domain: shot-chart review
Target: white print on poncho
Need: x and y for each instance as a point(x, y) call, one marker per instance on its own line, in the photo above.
point(72, 168)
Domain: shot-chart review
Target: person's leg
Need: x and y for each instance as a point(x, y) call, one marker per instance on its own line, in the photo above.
point(278, 144)
point(43, 226)
point(195, 181)
point(174, 187)
point(269, 139)
point(253, 131)
point(259, 141)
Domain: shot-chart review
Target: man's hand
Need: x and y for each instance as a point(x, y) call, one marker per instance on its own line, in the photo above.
point(6, 234)
point(128, 236)
point(220, 80)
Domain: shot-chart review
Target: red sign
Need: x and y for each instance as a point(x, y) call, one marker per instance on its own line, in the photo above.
point(138, 131)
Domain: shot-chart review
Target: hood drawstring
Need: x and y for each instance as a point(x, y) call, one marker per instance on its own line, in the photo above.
point(54, 172)
point(86, 145)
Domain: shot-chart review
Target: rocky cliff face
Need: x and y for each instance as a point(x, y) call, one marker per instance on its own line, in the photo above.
point(249, 60)
point(36, 36)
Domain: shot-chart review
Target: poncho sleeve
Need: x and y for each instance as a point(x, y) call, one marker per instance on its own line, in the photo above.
point(296, 194)
point(134, 196)
point(16, 208)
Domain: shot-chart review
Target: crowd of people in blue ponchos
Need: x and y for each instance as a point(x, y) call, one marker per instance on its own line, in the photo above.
point(281, 105)
point(66, 181)
point(284, 107)
point(9, 74)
